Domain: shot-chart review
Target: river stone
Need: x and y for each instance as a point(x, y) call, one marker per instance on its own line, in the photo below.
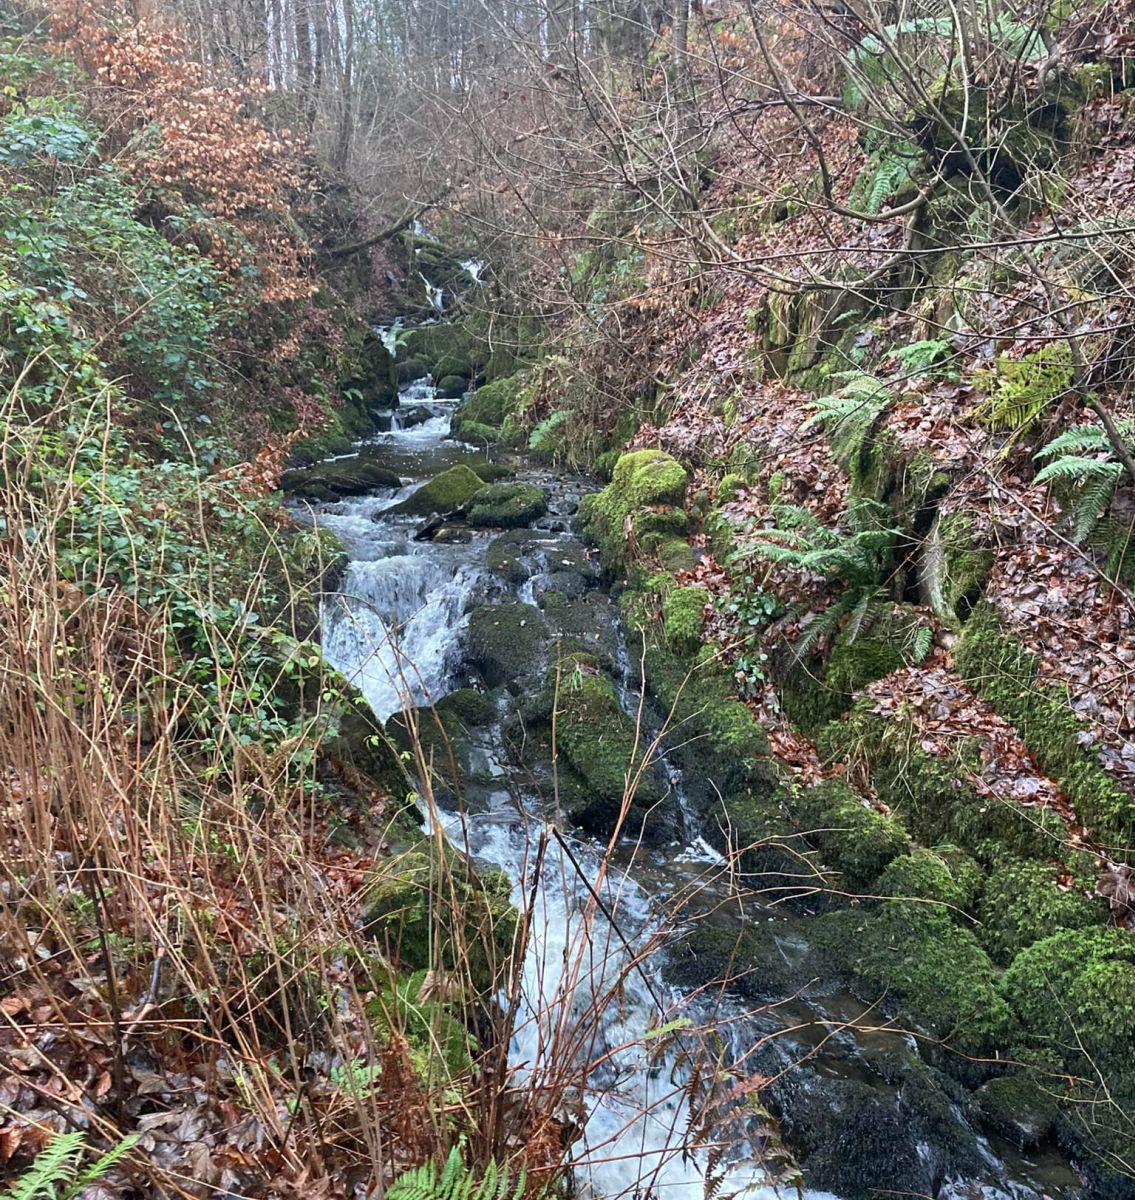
point(452, 387)
point(491, 472)
point(449, 490)
point(507, 642)
point(753, 957)
point(589, 624)
point(410, 417)
point(329, 480)
point(1019, 1109)
point(409, 370)
point(507, 505)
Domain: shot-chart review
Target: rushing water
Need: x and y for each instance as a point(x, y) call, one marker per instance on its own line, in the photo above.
point(396, 630)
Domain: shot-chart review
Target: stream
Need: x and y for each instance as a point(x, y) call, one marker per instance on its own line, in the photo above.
point(398, 630)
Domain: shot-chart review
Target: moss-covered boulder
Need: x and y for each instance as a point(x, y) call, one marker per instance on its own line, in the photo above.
point(507, 642)
point(683, 613)
point(640, 507)
point(925, 963)
point(489, 406)
point(1022, 903)
point(361, 741)
point(443, 349)
point(451, 387)
point(431, 909)
point(1075, 992)
point(854, 838)
point(944, 874)
point(330, 480)
point(447, 491)
point(507, 505)
point(757, 960)
point(599, 741)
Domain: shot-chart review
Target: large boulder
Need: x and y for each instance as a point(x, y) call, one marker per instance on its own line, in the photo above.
point(449, 490)
point(507, 642)
point(353, 476)
point(507, 505)
point(638, 510)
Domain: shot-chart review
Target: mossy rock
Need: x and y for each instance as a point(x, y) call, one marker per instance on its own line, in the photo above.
point(855, 839)
point(1075, 991)
point(647, 486)
point(944, 874)
point(475, 434)
point(445, 492)
point(409, 370)
point(996, 664)
point(362, 742)
point(916, 955)
point(1020, 1109)
point(489, 405)
point(507, 505)
point(748, 957)
point(451, 387)
point(1021, 904)
point(712, 735)
point(440, 1044)
point(432, 909)
point(507, 642)
point(954, 567)
point(852, 665)
point(683, 613)
point(769, 858)
point(443, 349)
point(491, 472)
point(339, 477)
point(470, 707)
point(599, 742)
point(675, 554)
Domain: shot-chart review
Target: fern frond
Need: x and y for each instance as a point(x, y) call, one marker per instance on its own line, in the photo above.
point(1094, 499)
point(920, 648)
point(862, 615)
point(57, 1163)
point(456, 1181)
point(99, 1168)
point(1073, 468)
point(1080, 439)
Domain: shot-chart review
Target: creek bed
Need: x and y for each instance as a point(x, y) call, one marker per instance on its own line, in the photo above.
point(860, 1105)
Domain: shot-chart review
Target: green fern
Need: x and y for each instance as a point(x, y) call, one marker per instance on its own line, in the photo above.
point(55, 1174)
point(1086, 479)
point(1021, 389)
point(849, 414)
point(920, 359)
point(886, 173)
point(543, 439)
point(455, 1181)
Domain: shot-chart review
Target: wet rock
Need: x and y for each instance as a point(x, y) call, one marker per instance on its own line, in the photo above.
point(1020, 1109)
point(451, 387)
point(338, 477)
point(588, 624)
point(445, 492)
point(755, 960)
point(453, 535)
point(411, 417)
point(507, 505)
point(408, 370)
point(507, 642)
point(491, 472)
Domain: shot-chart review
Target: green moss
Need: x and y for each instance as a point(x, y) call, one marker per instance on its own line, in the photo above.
point(443, 493)
point(934, 796)
point(489, 405)
point(1075, 991)
point(675, 554)
point(477, 434)
point(945, 874)
point(744, 462)
point(444, 349)
point(507, 642)
point(428, 912)
point(645, 486)
point(1001, 669)
point(858, 841)
point(436, 1035)
point(729, 487)
point(471, 707)
point(1021, 905)
point(683, 612)
point(599, 742)
point(854, 664)
point(916, 955)
point(507, 505)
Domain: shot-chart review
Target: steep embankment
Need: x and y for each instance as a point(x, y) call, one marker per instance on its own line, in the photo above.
point(901, 392)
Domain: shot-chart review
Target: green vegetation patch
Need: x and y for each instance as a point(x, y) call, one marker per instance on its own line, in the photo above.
point(446, 491)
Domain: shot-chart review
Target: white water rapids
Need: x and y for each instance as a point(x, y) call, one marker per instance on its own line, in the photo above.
point(396, 630)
